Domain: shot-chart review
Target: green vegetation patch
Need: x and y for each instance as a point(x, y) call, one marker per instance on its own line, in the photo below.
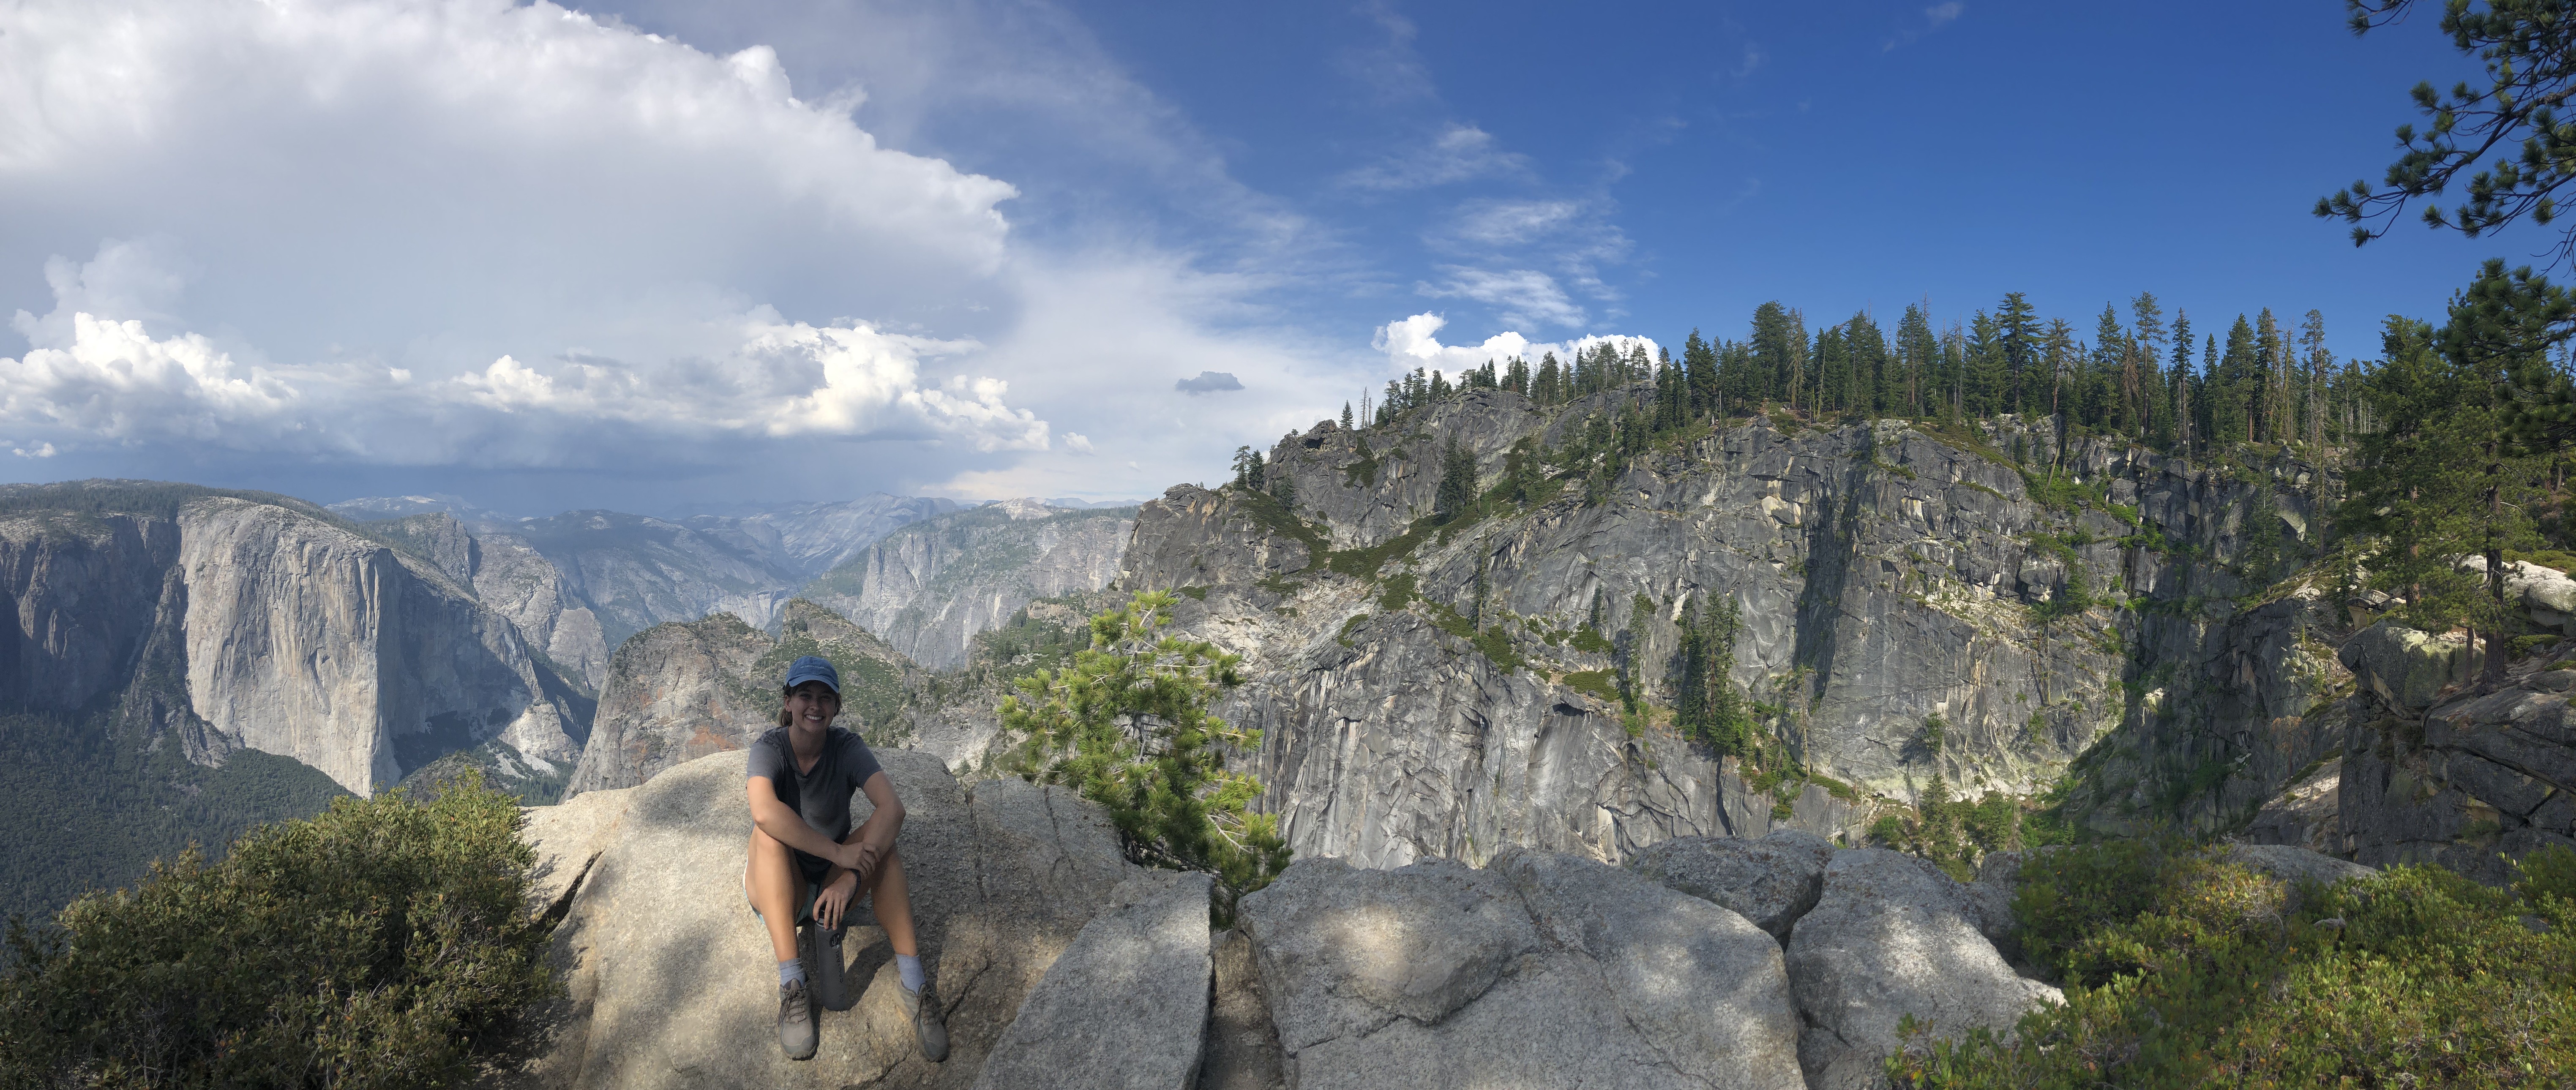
point(1594, 683)
point(1365, 563)
point(1494, 642)
point(1399, 592)
point(1343, 637)
point(1276, 518)
point(385, 942)
point(2182, 969)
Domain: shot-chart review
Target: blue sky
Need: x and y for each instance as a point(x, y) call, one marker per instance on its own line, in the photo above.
point(669, 256)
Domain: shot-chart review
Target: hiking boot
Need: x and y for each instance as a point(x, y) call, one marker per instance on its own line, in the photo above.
point(927, 1026)
point(795, 1021)
point(821, 951)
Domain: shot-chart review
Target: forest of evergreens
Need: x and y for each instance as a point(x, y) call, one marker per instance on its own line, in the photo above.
point(2136, 375)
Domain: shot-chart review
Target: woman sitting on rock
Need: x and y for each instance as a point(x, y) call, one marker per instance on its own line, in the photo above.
point(807, 865)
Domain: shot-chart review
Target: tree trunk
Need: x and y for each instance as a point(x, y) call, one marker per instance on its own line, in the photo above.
point(2495, 563)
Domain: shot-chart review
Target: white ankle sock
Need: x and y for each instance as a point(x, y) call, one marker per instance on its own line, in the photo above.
point(909, 967)
point(791, 971)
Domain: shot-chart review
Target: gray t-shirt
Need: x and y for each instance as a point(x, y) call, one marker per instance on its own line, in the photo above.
point(822, 795)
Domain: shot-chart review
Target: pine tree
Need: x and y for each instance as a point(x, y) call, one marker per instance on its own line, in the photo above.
point(1457, 490)
point(2182, 379)
point(2017, 328)
point(1699, 367)
point(1129, 726)
point(1346, 416)
point(1918, 350)
point(1775, 350)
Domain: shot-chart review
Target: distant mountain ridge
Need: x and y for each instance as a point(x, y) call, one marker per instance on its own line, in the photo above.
point(929, 588)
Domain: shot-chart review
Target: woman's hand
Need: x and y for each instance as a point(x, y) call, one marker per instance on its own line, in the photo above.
point(869, 855)
point(834, 901)
point(860, 858)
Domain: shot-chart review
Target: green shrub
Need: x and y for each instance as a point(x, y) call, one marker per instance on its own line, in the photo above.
point(377, 944)
point(2185, 970)
point(2549, 872)
point(1596, 683)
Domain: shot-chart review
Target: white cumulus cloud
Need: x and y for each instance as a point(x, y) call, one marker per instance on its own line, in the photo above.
point(1415, 342)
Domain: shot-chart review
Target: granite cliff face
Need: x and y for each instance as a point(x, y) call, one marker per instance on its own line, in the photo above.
point(511, 577)
point(633, 572)
point(929, 588)
point(238, 621)
point(1432, 692)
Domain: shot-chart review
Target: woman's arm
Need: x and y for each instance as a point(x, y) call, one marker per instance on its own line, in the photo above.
point(876, 837)
point(788, 827)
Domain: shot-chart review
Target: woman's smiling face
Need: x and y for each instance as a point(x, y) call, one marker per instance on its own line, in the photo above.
point(812, 705)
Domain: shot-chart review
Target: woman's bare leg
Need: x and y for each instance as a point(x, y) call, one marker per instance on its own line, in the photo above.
point(894, 904)
point(775, 888)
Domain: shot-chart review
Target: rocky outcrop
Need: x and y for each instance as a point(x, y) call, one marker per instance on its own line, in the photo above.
point(633, 572)
point(1543, 970)
point(1771, 881)
point(238, 621)
point(83, 591)
point(678, 692)
point(2485, 773)
point(1892, 936)
point(1126, 1005)
point(2406, 668)
point(806, 540)
point(1428, 691)
point(2307, 814)
point(928, 588)
point(516, 581)
point(669, 978)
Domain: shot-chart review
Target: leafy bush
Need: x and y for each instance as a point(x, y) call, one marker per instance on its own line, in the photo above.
point(2186, 970)
point(377, 944)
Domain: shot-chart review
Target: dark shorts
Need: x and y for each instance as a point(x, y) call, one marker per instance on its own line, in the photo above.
point(812, 868)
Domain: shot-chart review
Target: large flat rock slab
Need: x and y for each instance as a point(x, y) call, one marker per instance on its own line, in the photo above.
point(1542, 970)
point(1125, 1007)
point(669, 974)
point(1893, 936)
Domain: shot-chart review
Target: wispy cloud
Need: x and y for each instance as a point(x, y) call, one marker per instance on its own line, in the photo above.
point(1934, 18)
point(1459, 153)
point(1519, 296)
point(1754, 58)
point(1511, 222)
point(1390, 69)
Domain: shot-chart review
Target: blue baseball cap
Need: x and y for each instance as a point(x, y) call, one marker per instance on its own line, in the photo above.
point(813, 668)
